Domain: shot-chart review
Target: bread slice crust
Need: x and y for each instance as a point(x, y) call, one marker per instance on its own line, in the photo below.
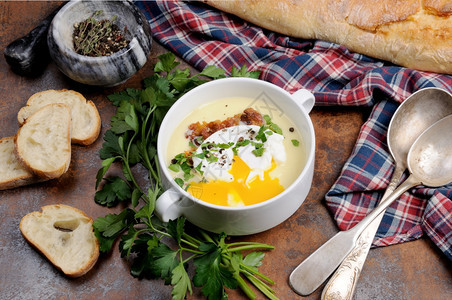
point(12, 173)
point(86, 122)
point(64, 235)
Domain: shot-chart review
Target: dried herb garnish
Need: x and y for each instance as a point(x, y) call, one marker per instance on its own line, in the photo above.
point(93, 37)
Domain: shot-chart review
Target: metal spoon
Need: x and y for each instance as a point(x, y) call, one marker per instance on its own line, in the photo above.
point(429, 163)
point(419, 111)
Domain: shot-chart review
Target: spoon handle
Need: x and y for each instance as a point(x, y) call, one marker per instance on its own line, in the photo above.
point(315, 269)
point(342, 284)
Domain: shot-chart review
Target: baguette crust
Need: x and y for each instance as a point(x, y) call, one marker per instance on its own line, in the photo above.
point(412, 33)
point(86, 123)
point(12, 173)
point(64, 235)
point(43, 143)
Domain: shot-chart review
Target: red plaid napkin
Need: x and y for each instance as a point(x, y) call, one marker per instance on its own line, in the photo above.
point(204, 36)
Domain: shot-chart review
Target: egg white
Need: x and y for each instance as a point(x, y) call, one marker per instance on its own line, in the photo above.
point(219, 169)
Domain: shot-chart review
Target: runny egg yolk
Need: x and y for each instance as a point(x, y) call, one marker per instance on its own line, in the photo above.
point(237, 192)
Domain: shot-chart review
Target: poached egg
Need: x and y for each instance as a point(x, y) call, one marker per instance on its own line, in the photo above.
point(236, 164)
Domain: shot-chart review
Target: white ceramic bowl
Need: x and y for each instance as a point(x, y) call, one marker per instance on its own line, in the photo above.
point(104, 70)
point(244, 220)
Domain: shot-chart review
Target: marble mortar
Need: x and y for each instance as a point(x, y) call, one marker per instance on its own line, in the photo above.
point(104, 70)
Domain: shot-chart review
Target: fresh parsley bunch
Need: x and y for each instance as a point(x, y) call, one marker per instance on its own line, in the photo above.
point(164, 250)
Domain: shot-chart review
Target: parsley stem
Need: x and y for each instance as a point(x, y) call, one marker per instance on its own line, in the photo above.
point(246, 268)
point(244, 286)
point(206, 236)
point(252, 271)
point(265, 289)
point(191, 239)
point(189, 258)
point(257, 245)
point(153, 229)
point(133, 239)
point(163, 233)
point(127, 165)
point(248, 247)
point(190, 243)
point(155, 178)
point(145, 137)
point(196, 252)
point(156, 173)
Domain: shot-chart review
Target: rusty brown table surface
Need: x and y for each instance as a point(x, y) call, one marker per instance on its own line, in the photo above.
point(413, 270)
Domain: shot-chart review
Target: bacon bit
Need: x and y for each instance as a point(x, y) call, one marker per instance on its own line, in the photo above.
point(250, 116)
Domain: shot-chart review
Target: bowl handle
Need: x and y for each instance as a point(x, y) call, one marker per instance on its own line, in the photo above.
point(305, 99)
point(167, 205)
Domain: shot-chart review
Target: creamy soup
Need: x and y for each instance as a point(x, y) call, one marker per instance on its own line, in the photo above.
point(241, 164)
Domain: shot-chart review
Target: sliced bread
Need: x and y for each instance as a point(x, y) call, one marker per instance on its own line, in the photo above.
point(43, 142)
point(12, 173)
point(64, 235)
point(86, 122)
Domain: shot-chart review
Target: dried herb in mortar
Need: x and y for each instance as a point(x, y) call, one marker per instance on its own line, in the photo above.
point(93, 37)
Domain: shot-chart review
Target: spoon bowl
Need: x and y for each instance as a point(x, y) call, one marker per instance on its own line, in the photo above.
point(430, 158)
point(414, 116)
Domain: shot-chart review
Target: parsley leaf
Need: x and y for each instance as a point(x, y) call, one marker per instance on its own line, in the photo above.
point(261, 136)
point(108, 228)
point(117, 98)
point(106, 163)
point(127, 241)
point(164, 261)
point(212, 72)
point(181, 282)
point(167, 62)
point(110, 147)
point(115, 190)
point(176, 229)
point(243, 72)
point(272, 126)
point(254, 259)
point(142, 248)
point(211, 274)
point(258, 151)
point(119, 123)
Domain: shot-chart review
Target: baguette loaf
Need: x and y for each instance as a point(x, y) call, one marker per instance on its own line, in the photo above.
point(43, 143)
point(85, 116)
point(64, 235)
point(411, 33)
point(12, 173)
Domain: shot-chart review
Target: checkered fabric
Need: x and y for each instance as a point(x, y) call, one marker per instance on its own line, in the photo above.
point(204, 36)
